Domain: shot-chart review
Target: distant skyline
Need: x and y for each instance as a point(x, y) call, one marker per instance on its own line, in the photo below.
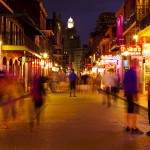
point(84, 13)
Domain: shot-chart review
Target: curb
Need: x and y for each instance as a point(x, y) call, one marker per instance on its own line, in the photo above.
point(124, 99)
point(14, 100)
point(138, 105)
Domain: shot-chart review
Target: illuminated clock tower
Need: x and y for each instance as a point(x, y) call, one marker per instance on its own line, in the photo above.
point(71, 41)
point(70, 23)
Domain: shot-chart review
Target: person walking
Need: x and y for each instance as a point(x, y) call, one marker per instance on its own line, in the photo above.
point(53, 81)
point(78, 81)
point(72, 80)
point(98, 82)
point(38, 92)
point(114, 85)
point(4, 98)
point(131, 92)
point(107, 81)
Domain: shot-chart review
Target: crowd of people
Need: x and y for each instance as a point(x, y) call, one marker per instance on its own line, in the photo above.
point(10, 89)
point(108, 83)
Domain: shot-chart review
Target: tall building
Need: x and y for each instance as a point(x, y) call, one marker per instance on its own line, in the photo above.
point(56, 51)
point(21, 39)
point(79, 58)
point(105, 20)
point(71, 40)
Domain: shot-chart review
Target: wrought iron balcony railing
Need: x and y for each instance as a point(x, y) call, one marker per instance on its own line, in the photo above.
point(136, 16)
point(129, 21)
point(20, 40)
point(145, 21)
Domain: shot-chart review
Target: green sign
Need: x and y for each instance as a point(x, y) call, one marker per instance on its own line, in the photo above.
point(23, 59)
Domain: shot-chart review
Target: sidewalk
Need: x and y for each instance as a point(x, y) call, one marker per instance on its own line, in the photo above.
point(75, 123)
point(142, 102)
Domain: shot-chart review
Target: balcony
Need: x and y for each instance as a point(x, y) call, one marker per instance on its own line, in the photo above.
point(129, 21)
point(145, 22)
point(136, 16)
point(20, 42)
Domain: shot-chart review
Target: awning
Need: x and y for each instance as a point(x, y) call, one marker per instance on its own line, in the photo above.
point(145, 31)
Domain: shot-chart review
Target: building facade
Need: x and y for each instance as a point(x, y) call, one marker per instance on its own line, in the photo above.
point(130, 42)
point(71, 40)
point(22, 39)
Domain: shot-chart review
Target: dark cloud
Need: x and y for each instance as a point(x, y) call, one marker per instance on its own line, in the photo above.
point(84, 12)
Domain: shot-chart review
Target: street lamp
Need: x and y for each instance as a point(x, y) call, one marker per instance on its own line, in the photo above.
point(43, 63)
point(136, 38)
point(45, 55)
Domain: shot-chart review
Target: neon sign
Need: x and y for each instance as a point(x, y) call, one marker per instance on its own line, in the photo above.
point(131, 50)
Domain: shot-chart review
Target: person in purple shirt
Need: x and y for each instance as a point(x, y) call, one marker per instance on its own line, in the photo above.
point(72, 79)
point(131, 92)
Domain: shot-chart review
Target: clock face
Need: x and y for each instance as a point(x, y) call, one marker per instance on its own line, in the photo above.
point(70, 23)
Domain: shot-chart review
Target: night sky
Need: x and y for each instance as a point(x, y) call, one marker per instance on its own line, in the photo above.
point(84, 13)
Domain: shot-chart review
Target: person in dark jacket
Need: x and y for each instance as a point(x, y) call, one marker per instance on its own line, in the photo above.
point(130, 83)
point(38, 92)
point(72, 80)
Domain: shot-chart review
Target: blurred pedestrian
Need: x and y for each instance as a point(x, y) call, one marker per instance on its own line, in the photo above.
point(13, 94)
point(9, 94)
point(148, 133)
point(98, 82)
point(20, 92)
point(4, 96)
point(53, 81)
point(63, 80)
point(72, 80)
point(84, 79)
point(131, 92)
point(37, 97)
point(78, 81)
point(107, 80)
point(114, 85)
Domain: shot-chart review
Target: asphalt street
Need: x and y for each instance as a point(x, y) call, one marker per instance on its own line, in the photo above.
point(74, 123)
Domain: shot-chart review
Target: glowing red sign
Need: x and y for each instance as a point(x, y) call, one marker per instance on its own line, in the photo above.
point(133, 50)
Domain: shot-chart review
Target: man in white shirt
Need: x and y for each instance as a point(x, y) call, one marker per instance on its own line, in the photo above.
point(107, 81)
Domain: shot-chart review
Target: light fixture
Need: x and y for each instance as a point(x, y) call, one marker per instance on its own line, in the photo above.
point(136, 38)
point(45, 55)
